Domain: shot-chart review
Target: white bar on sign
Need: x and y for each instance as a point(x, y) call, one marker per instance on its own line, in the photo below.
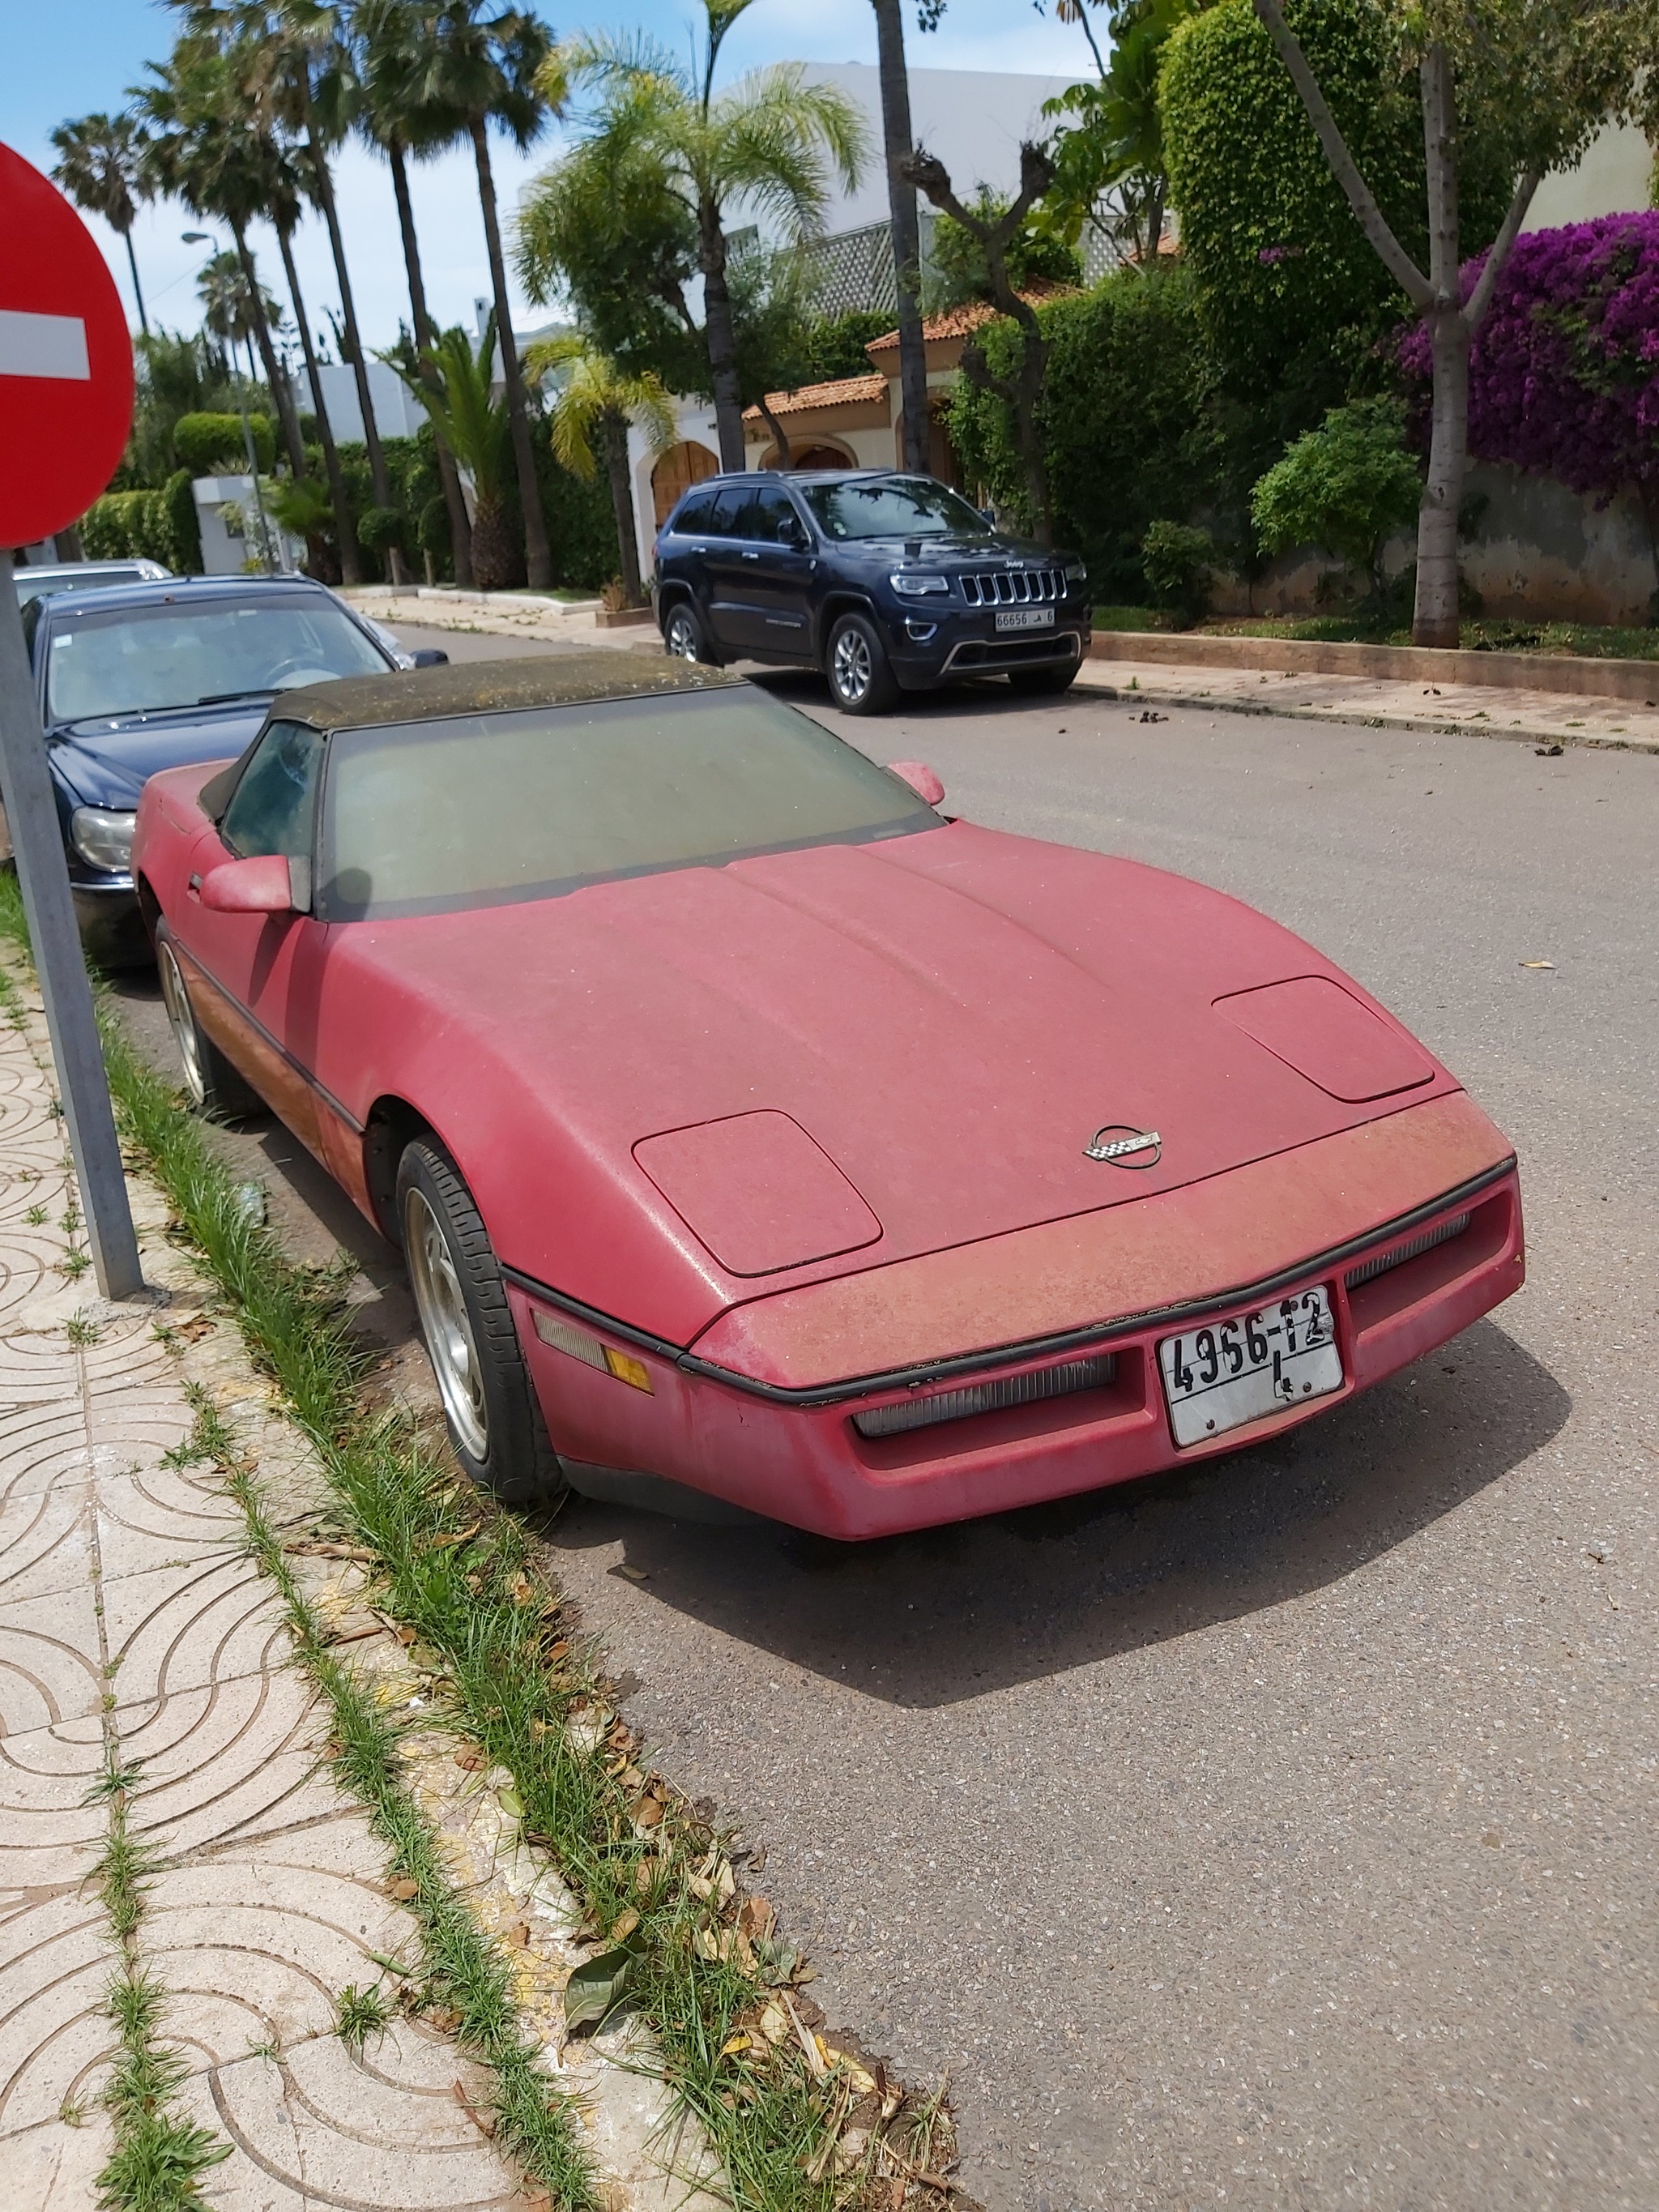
point(43, 345)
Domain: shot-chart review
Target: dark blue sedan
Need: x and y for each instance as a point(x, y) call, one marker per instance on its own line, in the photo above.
point(147, 677)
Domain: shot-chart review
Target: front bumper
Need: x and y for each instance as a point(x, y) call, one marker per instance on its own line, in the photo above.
point(959, 645)
point(112, 932)
point(779, 1437)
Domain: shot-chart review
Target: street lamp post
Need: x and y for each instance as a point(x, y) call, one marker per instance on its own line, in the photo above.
point(206, 238)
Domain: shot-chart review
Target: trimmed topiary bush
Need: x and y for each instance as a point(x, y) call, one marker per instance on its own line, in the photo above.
point(213, 445)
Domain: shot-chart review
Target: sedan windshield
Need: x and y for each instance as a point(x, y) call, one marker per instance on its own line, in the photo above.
point(892, 506)
point(183, 653)
point(491, 808)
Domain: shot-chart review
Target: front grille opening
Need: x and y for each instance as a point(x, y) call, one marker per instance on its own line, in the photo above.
point(1012, 588)
point(1442, 1233)
point(1094, 1373)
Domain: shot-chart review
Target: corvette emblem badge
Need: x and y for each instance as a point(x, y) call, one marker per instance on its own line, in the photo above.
point(1125, 1148)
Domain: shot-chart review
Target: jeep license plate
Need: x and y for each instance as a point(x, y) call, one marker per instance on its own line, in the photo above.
point(1026, 617)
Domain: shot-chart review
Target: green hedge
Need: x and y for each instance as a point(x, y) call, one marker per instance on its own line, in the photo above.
point(146, 525)
point(213, 445)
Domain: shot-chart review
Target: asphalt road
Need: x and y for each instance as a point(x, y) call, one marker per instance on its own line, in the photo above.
point(1281, 1835)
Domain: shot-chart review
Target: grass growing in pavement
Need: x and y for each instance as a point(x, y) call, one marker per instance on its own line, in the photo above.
point(704, 1967)
point(159, 2159)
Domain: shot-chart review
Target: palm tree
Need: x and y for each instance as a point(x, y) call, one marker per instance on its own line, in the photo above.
point(905, 227)
point(298, 78)
point(594, 403)
point(767, 143)
point(455, 386)
point(101, 167)
point(227, 310)
point(197, 150)
point(477, 67)
point(389, 35)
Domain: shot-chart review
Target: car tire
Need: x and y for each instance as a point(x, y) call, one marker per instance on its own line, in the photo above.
point(494, 1422)
point(861, 678)
point(211, 1085)
point(1049, 680)
point(685, 635)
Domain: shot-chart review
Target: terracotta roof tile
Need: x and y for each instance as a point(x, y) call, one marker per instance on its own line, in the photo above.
point(842, 393)
point(957, 322)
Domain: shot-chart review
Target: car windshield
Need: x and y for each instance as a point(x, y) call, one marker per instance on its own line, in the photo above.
point(185, 652)
point(35, 583)
point(491, 808)
point(892, 506)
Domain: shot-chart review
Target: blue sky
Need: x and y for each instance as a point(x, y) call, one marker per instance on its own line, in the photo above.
point(70, 58)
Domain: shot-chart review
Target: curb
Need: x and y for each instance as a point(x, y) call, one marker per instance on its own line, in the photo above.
point(1634, 683)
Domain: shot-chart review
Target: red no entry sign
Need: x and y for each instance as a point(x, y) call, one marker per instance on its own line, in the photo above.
point(65, 359)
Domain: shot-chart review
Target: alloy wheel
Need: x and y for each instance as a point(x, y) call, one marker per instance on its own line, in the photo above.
point(680, 638)
point(851, 666)
point(446, 1324)
point(183, 1024)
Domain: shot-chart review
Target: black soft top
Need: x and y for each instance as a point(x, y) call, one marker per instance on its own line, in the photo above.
point(474, 687)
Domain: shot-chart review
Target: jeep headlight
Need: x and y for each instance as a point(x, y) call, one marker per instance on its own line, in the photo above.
point(918, 583)
point(1076, 574)
point(102, 836)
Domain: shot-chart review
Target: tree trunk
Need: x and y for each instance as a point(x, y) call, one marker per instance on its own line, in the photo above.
point(906, 230)
point(1434, 618)
point(460, 529)
point(720, 337)
point(281, 398)
point(493, 550)
point(351, 562)
point(613, 430)
point(138, 288)
point(786, 452)
point(353, 345)
point(538, 557)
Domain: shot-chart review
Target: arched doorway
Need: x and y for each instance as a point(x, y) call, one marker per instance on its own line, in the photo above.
point(675, 471)
point(821, 456)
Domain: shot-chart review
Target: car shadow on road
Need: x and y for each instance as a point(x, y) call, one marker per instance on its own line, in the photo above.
point(950, 1613)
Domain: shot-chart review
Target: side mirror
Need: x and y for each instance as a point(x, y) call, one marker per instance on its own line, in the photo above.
point(263, 884)
point(428, 656)
point(920, 779)
point(793, 533)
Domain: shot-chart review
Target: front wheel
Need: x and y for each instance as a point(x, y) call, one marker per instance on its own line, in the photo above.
point(488, 1400)
point(211, 1084)
point(862, 679)
point(1045, 681)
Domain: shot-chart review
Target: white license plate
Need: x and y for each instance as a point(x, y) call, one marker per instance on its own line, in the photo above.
point(1026, 617)
point(1226, 1373)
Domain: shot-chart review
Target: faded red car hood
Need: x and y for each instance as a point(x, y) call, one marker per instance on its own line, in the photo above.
point(949, 1016)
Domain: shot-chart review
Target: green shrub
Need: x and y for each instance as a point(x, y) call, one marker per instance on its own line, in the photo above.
point(835, 344)
point(433, 530)
point(382, 528)
point(1346, 486)
point(184, 524)
point(134, 526)
point(213, 445)
point(1131, 423)
point(1179, 563)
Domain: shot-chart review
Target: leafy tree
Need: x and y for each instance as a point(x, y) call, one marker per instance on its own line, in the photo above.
point(1110, 169)
point(1134, 428)
point(1347, 486)
point(475, 66)
point(1179, 562)
point(838, 345)
point(175, 376)
point(593, 403)
point(1563, 371)
point(100, 167)
point(1019, 386)
point(961, 272)
point(1527, 82)
point(394, 117)
point(458, 398)
point(769, 144)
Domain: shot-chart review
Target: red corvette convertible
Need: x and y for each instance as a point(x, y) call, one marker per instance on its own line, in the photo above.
point(750, 1126)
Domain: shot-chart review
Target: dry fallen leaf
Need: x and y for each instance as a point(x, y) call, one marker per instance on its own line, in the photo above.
point(448, 1543)
point(735, 2042)
point(633, 1574)
point(405, 1633)
point(471, 1760)
point(648, 1812)
point(756, 1918)
point(404, 1888)
point(626, 1923)
point(523, 1589)
point(518, 1934)
point(1538, 963)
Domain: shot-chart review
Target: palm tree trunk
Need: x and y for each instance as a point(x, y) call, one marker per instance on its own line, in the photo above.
point(138, 288)
point(538, 556)
point(460, 528)
point(351, 564)
point(281, 400)
point(377, 468)
point(613, 430)
point(721, 338)
point(906, 228)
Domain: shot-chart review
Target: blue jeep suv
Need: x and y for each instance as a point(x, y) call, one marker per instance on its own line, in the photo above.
point(887, 582)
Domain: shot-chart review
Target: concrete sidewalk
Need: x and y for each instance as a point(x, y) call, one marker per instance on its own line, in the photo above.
point(135, 1626)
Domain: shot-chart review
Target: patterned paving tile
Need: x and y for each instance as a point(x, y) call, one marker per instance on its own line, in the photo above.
point(55, 2036)
point(55, 2168)
point(175, 1628)
point(226, 1762)
point(49, 1669)
point(49, 1835)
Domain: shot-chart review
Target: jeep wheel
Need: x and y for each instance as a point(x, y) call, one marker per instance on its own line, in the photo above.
point(862, 679)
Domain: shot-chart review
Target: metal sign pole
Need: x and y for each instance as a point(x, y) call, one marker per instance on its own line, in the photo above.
point(32, 816)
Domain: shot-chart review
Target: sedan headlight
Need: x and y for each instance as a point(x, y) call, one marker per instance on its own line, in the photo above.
point(103, 837)
point(918, 583)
